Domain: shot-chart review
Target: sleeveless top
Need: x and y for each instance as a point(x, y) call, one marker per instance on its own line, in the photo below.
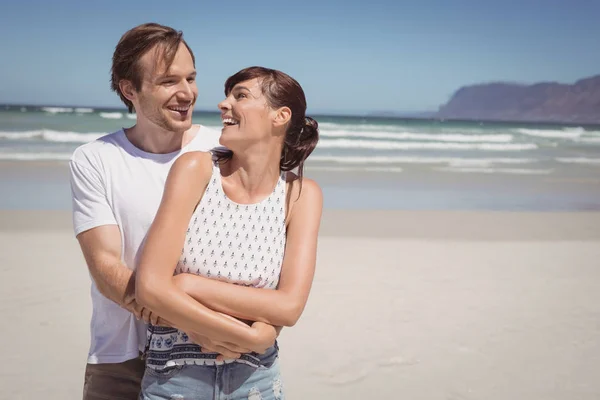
point(237, 243)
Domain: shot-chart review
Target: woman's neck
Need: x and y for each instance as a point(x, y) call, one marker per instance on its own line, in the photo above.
point(254, 172)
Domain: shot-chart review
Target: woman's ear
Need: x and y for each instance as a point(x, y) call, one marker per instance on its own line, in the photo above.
point(282, 116)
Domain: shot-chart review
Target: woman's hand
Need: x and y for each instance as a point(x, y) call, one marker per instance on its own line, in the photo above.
point(265, 336)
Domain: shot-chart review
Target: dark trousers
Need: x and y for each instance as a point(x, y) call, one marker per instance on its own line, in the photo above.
point(119, 381)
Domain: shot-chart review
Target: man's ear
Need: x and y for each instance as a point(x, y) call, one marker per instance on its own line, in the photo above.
point(127, 89)
point(282, 116)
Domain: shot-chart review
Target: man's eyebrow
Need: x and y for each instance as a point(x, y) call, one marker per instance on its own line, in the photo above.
point(240, 88)
point(167, 76)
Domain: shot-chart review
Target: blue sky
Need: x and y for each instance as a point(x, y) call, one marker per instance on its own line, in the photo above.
point(350, 56)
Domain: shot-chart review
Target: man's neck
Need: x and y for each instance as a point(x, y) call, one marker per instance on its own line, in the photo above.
point(159, 141)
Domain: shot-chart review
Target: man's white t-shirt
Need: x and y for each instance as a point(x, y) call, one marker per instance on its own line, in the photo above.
point(115, 183)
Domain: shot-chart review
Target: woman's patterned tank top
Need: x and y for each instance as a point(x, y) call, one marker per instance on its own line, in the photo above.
point(237, 243)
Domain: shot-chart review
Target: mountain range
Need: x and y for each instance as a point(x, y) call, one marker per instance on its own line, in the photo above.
point(539, 102)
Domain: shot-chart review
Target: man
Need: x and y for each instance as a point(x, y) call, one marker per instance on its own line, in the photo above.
point(117, 184)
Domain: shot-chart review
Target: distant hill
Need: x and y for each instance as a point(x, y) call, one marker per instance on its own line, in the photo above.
point(540, 102)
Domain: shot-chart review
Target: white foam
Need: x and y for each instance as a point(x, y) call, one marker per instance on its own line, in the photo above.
point(82, 110)
point(566, 133)
point(131, 116)
point(388, 145)
point(56, 110)
point(589, 140)
point(443, 137)
point(578, 160)
point(35, 156)
point(419, 160)
point(52, 136)
point(111, 115)
point(20, 135)
point(70, 137)
point(361, 127)
point(350, 169)
point(483, 170)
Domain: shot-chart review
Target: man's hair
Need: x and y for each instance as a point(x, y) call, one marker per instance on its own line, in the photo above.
point(133, 45)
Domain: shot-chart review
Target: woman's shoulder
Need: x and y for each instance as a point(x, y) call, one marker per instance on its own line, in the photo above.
point(297, 185)
point(303, 194)
point(193, 161)
point(192, 164)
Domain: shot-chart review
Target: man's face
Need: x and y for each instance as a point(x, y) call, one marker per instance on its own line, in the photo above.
point(167, 96)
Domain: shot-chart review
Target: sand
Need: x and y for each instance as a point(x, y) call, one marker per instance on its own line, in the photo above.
point(405, 305)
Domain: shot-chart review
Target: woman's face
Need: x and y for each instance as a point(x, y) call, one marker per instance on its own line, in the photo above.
point(246, 115)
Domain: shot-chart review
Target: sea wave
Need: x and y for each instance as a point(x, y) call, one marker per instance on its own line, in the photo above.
point(389, 145)
point(56, 110)
point(589, 140)
point(52, 136)
point(566, 133)
point(578, 160)
point(82, 110)
point(350, 169)
point(362, 127)
point(35, 156)
point(484, 170)
point(111, 115)
point(444, 137)
point(419, 160)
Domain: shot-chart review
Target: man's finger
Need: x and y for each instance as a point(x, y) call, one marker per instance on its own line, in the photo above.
point(207, 349)
point(154, 318)
point(163, 322)
point(136, 309)
point(234, 348)
point(226, 353)
point(146, 315)
point(137, 313)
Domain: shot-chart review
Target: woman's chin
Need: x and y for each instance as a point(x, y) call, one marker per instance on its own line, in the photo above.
point(229, 139)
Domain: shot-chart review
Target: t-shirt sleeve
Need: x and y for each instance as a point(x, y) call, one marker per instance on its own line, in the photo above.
point(89, 198)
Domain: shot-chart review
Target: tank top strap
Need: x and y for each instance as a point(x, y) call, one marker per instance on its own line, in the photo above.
point(281, 187)
point(214, 189)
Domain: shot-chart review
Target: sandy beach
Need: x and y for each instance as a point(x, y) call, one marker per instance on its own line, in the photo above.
point(408, 305)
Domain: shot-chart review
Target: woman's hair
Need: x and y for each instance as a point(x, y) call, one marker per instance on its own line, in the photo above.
point(281, 90)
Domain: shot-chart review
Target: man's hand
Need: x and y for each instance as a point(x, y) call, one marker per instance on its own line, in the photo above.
point(142, 312)
point(225, 350)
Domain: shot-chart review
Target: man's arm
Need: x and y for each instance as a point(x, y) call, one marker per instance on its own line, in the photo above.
point(101, 247)
point(97, 231)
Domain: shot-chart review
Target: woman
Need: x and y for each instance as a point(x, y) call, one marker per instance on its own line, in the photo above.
point(234, 216)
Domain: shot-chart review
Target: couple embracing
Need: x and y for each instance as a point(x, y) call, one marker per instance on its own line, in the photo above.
point(201, 245)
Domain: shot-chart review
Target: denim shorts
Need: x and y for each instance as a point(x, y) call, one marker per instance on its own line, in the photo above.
point(224, 381)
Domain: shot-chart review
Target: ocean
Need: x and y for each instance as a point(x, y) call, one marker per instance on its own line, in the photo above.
point(361, 162)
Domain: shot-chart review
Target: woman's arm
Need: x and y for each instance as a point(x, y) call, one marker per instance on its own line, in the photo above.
point(155, 288)
point(281, 307)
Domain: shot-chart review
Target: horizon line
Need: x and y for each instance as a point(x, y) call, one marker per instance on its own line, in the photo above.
point(325, 113)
